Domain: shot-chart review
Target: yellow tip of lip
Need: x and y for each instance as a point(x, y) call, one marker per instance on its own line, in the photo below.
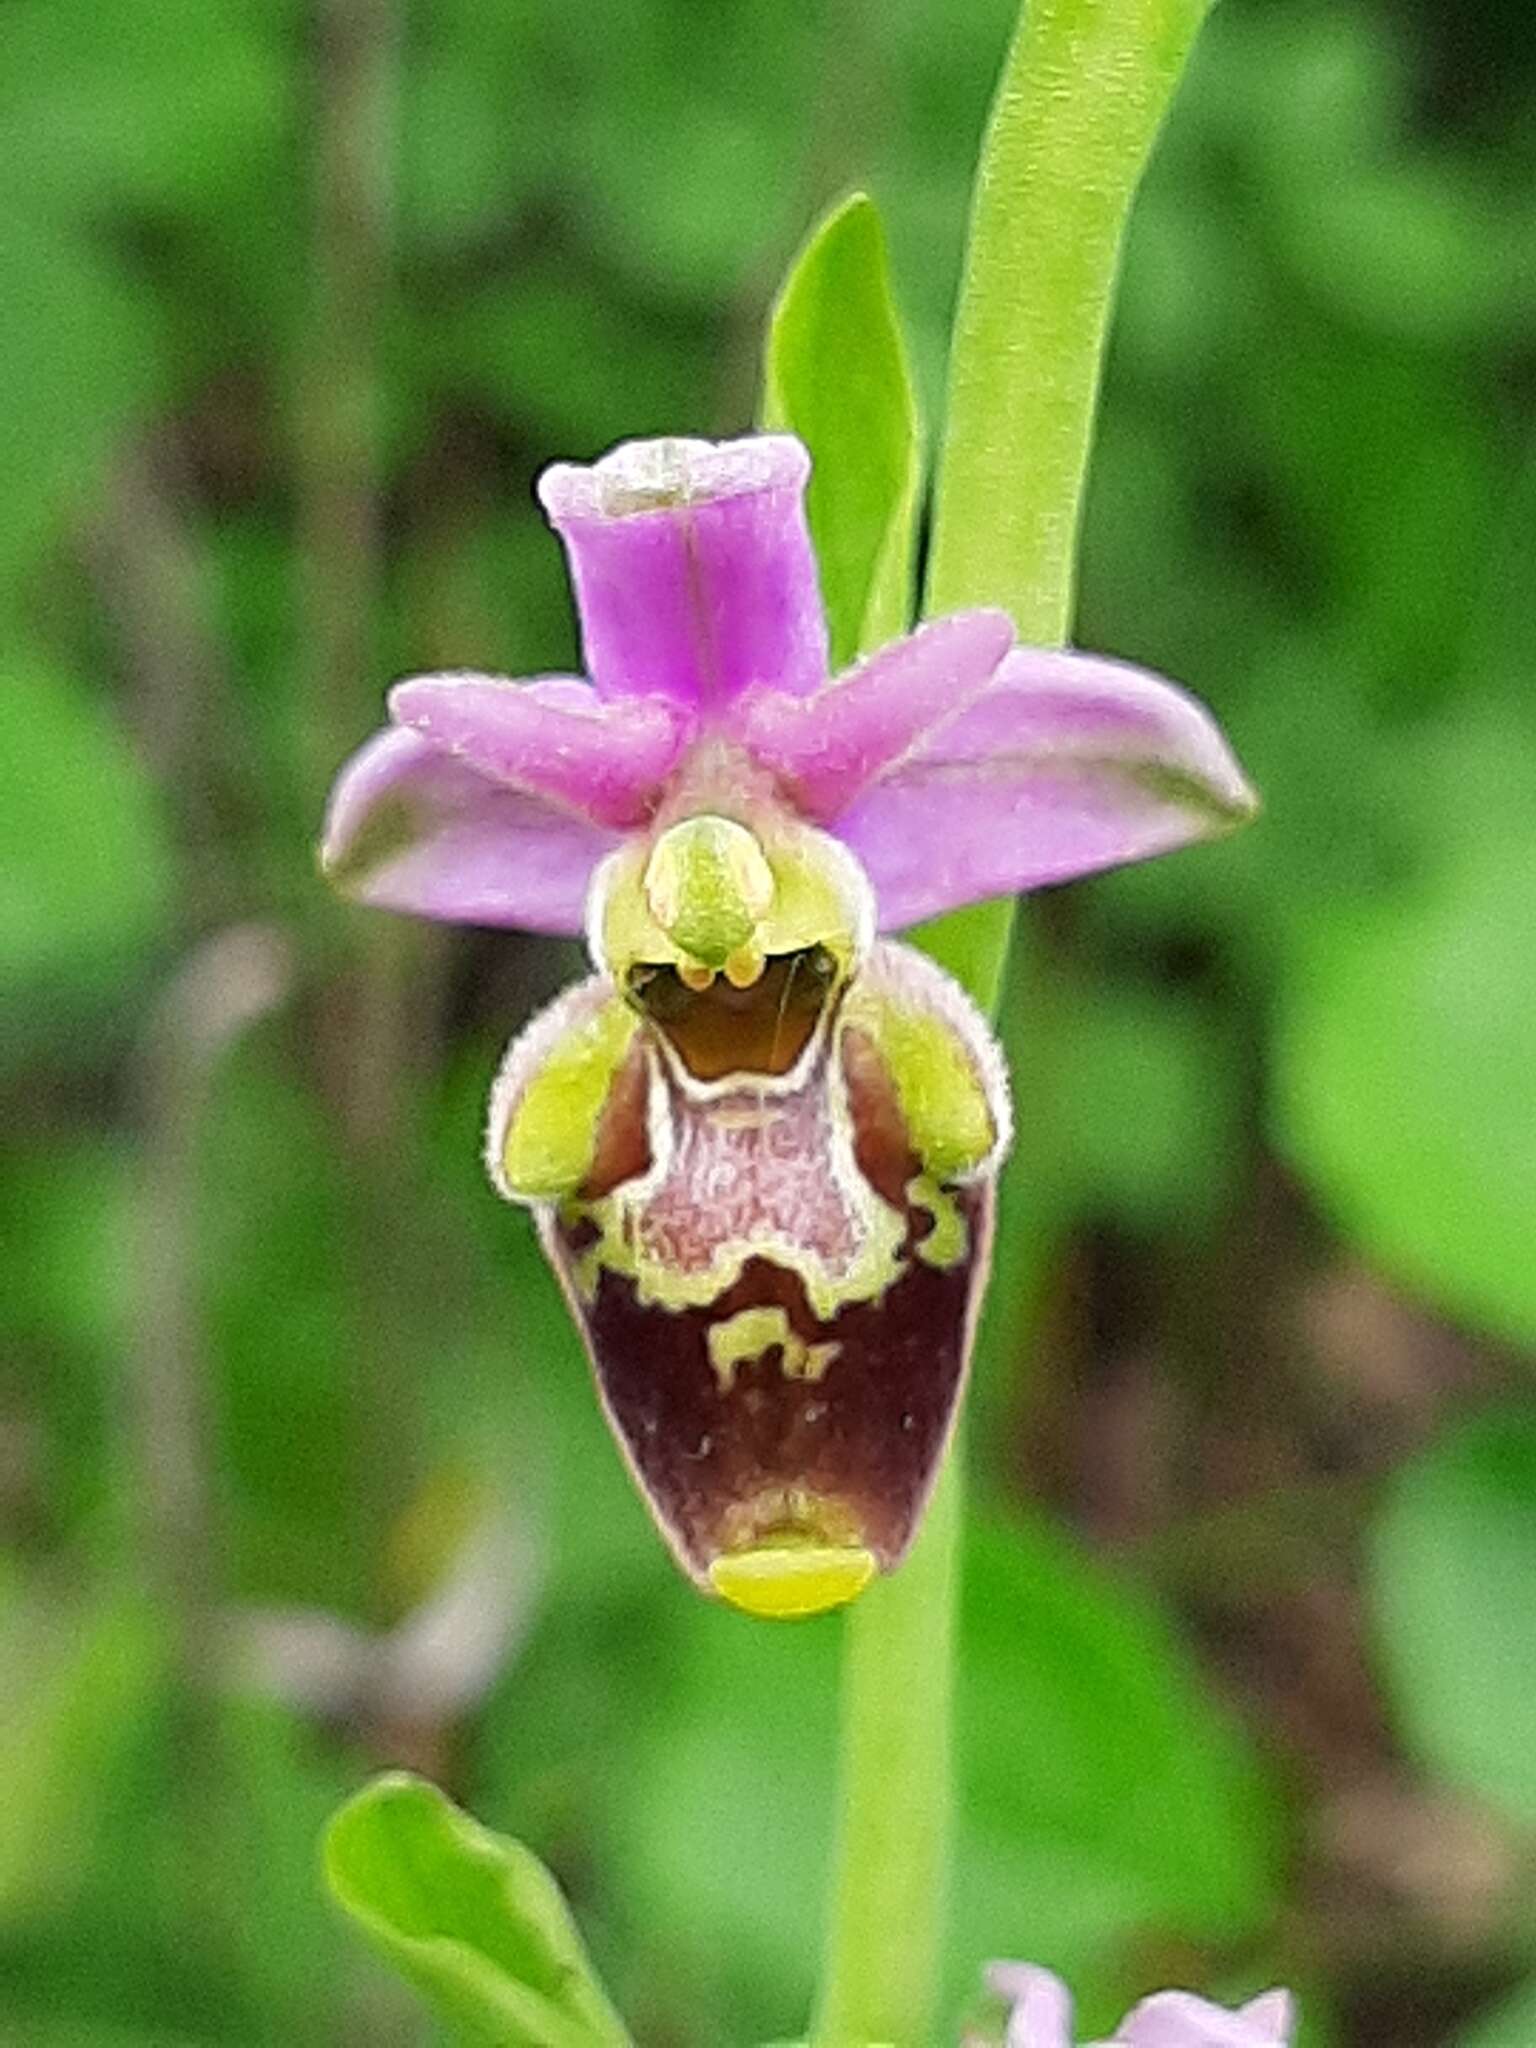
point(785, 1582)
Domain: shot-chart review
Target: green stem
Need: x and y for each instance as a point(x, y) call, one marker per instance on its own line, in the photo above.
point(367, 1025)
point(887, 1925)
point(1084, 90)
point(1083, 93)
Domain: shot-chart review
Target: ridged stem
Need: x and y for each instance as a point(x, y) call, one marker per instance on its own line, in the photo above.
point(1083, 92)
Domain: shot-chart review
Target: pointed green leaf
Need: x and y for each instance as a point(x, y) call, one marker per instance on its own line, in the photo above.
point(474, 1921)
point(836, 374)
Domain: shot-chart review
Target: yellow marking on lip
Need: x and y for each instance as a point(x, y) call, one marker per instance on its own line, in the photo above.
point(751, 1332)
point(949, 1240)
point(790, 1581)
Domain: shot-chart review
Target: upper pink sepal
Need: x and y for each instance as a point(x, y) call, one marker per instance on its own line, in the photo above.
point(693, 567)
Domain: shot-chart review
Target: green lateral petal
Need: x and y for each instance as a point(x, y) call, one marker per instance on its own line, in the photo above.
point(474, 1921)
point(836, 374)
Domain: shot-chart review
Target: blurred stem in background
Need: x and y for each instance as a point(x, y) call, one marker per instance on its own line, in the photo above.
point(224, 986)
point(366, 1043)
point(1084, 90)
point(150, 568)
point(341, 390)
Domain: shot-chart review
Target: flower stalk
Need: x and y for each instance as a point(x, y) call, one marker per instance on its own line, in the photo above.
point(1083, 93)
point(886, 1927)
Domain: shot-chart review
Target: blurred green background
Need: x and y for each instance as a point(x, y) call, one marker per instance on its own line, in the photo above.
point(299, 1467)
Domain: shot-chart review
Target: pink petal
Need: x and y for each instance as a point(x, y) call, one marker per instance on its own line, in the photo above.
point(1042, 2005)
point(1177, 2019)
point(826, 747)
point(1063, 765)
point(1274, 2015)
point(411, 828)
point(693, 567)
point(554, 738)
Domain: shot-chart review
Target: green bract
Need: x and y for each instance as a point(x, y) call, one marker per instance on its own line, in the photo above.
point(473, 1920)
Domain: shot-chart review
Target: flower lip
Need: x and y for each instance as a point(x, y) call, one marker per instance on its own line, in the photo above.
point(638, 477)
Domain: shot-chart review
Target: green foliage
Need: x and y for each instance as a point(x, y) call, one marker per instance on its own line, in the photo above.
point(1404, 1062)
point(836, 374)
point(84, 856)
point(1511, 2024)
point(133, 116)
point(1101, 1794)
point(474, 1921)
point(1100, 1785)
point(1311, 499)
point(72, 1699)
point(83, 348)
point(1452, 1565)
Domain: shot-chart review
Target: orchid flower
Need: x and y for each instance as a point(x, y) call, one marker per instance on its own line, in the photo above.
point(1041, 2016)
point(760, 1140)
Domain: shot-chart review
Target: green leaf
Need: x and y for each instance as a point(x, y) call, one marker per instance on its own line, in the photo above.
point(1453, 1560)
point(1404, 1060)
point(1100, 1783)
point(837, 375)
point(474, 1921)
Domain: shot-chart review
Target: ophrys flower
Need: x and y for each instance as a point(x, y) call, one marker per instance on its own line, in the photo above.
point(760, 1140)
point(1041, 2016)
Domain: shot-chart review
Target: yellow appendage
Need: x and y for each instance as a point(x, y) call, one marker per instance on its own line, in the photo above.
point(551, 1133)
point(788, 1581)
